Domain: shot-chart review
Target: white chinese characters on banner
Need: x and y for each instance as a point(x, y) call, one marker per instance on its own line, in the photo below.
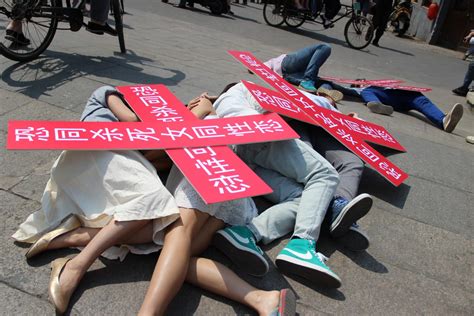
point(221, 175)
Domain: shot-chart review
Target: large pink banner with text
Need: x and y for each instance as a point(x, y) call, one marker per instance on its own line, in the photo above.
point(387, 83)
point(322, 117)
point(273, 101)
point(216, 173)
point(146, 135)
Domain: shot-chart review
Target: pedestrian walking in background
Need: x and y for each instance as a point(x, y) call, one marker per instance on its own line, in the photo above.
point(383, 8)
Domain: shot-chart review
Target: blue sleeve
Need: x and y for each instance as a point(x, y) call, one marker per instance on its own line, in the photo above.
point(96, 109)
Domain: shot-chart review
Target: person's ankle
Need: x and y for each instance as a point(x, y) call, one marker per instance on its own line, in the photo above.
point(264, 302)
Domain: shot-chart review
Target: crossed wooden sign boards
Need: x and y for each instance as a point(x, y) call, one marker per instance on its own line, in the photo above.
point(198, 147)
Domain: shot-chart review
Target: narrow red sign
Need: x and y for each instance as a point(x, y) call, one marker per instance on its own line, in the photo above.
point(146, 135)
point(216, 173)
point(273, 101)
point(323, 117)
point(388, 83)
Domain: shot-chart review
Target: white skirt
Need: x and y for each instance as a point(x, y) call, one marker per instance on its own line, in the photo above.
point(98, 186)
point(235, 212)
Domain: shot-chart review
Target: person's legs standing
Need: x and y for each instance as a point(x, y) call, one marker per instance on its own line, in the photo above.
point(99, 15)
point(468, 78)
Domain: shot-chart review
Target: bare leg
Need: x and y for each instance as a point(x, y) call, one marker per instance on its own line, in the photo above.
point(81, 236)
point(105, 238)
point(173, 262)
point(219, 279)
point(15, 25)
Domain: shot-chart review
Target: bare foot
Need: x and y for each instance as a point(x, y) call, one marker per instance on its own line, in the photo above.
point(268, 302)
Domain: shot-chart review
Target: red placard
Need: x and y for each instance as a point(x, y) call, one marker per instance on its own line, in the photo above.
point(146, 135)
point(323, 117)
point(273, 101)
point(213, 185)
point(388, 83)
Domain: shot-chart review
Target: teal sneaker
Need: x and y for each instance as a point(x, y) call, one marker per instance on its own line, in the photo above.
point(299, 257)
point(307, 85)
point(238, 244)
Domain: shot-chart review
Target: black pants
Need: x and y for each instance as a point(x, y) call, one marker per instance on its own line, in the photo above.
point(383, 8)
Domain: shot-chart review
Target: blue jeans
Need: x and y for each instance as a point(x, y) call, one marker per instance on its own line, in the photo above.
point(469, 76)
point(291, 161)
point(304, 64)
point(402, 100)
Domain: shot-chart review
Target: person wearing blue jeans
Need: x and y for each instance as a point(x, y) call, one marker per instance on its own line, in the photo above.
point(301, 67)
point(299, 162)
point(385, 100)
point(464, 89)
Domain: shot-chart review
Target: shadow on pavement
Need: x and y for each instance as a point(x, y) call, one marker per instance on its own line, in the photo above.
point(396, 51)
point(376, 185)
point(55, 69)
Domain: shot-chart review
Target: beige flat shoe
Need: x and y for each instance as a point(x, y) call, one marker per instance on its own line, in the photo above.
point(58, 299)
point(333, 94)
point(42, 244)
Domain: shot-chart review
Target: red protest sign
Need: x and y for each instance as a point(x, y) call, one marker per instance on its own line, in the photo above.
point(201, 166)
point(323, 117)
point(146, 135)
point(273, 101)
point(388, 83)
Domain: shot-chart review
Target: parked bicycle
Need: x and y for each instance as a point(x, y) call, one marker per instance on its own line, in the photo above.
point(40, 20)
point(358, 30)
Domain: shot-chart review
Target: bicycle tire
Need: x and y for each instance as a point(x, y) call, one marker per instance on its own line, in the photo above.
point(273, 13)
point(358, 27)
point(295, 20)
point(118, 17)
point(39, 29)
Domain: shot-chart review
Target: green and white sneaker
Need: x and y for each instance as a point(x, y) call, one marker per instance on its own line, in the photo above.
point(299, 257)
point(238, 244)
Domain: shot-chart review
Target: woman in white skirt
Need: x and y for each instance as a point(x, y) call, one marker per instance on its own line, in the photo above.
point(101, 199)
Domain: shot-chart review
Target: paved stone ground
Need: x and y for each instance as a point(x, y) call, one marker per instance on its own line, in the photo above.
point(421, 257)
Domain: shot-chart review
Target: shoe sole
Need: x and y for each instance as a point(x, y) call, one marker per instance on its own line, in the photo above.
point(246, 259)
point(333, 94)
point(354, 240)
point(95, 32)
point(290, 265)
point(287, 305)
point(380, 108)
point(456, 115)
point(354, 210)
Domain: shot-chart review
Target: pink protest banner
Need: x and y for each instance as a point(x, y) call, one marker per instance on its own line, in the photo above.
point(146, 135)
point(322, 117)
point(363, 82)
point(404, 87)
point(216, 173)
point(273, 101)
point(387, 83)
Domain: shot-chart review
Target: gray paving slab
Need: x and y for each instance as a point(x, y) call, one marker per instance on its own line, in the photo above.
point(15, 302)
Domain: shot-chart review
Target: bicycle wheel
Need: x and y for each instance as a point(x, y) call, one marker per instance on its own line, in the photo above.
point(358, 32)
point(118, 17)
point(273, 13)
point(38, 22)
point(294, 19)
